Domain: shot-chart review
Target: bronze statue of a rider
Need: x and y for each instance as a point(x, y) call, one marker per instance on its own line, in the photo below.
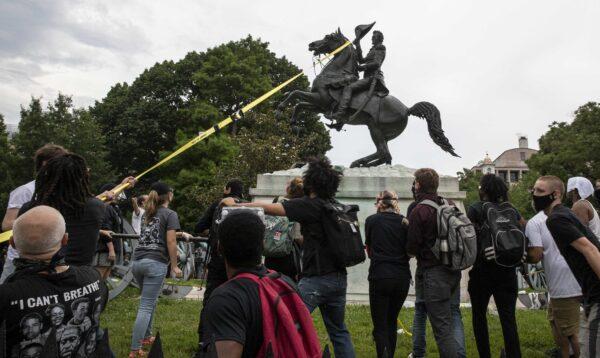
point(372, 78)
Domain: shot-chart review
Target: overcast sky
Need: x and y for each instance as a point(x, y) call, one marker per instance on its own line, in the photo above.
point(494, 69)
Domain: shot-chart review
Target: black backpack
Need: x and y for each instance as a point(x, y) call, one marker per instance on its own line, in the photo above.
point(342, 232)
point(502, 239)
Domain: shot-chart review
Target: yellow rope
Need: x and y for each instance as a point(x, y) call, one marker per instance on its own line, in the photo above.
point(5, 236)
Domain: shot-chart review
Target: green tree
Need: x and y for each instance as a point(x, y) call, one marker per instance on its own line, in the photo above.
point(7, 162)
point(60, 123)
point(571, 149)
point(174, 99)
point(468, 181)
point(263, 146)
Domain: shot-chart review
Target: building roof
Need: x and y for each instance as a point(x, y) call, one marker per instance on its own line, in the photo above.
point(511, 158)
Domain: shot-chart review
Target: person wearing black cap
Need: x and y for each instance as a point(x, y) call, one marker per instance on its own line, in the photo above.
point(156, 250)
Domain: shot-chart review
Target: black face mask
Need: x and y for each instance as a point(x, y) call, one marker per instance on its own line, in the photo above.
point(597, 194)
point(414, 191)
point(542, 202)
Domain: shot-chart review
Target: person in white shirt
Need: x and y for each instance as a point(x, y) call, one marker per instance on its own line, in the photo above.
point(563, 289)
point(578, 190)
point(138, 212)
point(22, 195)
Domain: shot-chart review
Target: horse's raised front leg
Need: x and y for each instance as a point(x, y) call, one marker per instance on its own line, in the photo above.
point(312, 98)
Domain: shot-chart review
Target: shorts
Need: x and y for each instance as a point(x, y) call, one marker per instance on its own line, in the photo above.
point(565, 313)
point(101, 260)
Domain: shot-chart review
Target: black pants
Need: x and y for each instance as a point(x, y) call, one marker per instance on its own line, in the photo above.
point(386, 297)
point(504, 289)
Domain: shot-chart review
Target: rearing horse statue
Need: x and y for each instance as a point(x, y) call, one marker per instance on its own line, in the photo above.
point(386, 117)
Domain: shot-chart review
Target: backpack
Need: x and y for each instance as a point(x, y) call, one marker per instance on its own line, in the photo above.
point(456, 244)
point(342, 233)
point(502, 239)
point(288, 329)
point(278, 242)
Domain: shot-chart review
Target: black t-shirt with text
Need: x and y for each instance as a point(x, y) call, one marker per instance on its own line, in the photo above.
point(83, 231)
point(565, 228)
point(317, 258)
point(233, 313)
point(386, 238)
point(66, 304)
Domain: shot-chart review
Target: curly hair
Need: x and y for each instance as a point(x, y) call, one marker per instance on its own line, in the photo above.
point(64, 184)
point(295, 188)
point(321, 178)
point(494, 188)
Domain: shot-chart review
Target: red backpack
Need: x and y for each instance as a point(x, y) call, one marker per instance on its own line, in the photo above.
point(288, 328)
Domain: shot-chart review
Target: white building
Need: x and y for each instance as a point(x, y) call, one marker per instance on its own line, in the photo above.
point(510, 165)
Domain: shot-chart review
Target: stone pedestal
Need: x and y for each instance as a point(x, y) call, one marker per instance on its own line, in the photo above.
point(360, 186)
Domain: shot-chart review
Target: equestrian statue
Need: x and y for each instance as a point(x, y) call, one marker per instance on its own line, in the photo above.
point(344, 98)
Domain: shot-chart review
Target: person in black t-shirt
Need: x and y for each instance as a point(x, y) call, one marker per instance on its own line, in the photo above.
point(233, 317)
point(323, 283)
point(487, 279)
point(389, 272)
point(47, 297)
point(63, 183)
point(581, 250)
point(233, 323)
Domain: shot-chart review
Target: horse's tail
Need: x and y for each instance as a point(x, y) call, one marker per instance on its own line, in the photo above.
point(431, 114)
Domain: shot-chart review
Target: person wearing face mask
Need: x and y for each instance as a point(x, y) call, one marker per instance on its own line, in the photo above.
point(419, 326)
point(442, 283)
point(578, 190)
point(488, 279)
point(581, 250)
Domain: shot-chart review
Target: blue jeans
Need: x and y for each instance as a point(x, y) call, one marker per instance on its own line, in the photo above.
point(328, 292)
point(420, 322)
point(150, 275)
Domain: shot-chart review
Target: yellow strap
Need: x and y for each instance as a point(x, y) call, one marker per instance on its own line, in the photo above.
point(5, 236)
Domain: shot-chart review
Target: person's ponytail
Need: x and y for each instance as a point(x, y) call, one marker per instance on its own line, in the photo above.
point(151, 206)
point(388, 201)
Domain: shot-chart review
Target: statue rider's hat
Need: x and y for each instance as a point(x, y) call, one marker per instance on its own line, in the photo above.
point(361, 30)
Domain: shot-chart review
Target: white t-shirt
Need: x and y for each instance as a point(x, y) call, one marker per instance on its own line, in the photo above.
point(16, 200)
point(561, 282)
point(136, 220)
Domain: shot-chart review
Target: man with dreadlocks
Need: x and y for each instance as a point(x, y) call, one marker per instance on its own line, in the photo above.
point(20, 196)
point(63, 183)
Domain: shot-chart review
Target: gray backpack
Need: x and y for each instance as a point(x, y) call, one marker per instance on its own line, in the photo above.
point(456, 244)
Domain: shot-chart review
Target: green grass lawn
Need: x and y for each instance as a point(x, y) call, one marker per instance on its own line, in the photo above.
point(177, 321)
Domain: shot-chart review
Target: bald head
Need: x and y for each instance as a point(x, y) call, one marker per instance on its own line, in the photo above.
point(39, 231)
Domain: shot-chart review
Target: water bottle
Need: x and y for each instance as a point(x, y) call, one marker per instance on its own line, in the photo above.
point(444, 251)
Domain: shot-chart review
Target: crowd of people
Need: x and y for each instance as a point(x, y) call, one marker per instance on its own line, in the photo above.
point(270, 265)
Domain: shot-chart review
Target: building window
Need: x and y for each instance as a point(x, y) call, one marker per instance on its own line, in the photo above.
point(514, 176)
point(522, 156)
